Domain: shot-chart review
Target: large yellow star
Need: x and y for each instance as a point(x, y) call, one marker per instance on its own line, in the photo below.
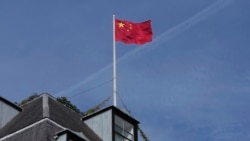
point(121, 24)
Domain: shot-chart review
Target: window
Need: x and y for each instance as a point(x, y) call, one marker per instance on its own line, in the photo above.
point(124, 131)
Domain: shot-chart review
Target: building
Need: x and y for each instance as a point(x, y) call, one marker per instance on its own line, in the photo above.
point(46, 119)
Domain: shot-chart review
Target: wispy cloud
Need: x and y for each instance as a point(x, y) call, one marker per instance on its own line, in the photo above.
point(164, 37)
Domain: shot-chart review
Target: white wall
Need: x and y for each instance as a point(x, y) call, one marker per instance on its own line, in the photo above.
point(102, 125)
point(6, 113)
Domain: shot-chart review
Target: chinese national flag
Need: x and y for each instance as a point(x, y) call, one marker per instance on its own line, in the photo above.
point(129, 32)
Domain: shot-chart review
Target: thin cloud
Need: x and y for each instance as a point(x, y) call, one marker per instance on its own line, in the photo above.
point(167, 35)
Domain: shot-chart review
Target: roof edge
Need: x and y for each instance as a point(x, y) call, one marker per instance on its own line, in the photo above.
point(30, 126)
point(116, 110)
point(11, 104)
point(78, 134)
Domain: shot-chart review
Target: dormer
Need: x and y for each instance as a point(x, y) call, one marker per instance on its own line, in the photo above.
point(8, 111)
point(69, 135)
point(112, 124)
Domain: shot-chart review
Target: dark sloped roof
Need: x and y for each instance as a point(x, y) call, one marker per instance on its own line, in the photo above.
point(70, 119)
point(31, 113)
point(37, 110)
point(44, 130)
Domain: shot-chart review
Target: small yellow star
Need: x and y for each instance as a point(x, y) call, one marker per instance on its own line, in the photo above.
point(121, 25)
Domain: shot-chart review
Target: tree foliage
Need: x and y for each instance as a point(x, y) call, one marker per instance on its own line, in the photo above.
point(30, 98)
point(62, 100)
point(68, 104)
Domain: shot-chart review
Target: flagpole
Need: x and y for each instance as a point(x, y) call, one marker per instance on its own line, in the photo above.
point(114, 63)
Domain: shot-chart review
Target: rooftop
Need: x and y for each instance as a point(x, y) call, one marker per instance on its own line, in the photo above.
point(46, 110)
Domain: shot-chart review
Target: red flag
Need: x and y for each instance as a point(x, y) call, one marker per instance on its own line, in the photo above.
point(129, 32)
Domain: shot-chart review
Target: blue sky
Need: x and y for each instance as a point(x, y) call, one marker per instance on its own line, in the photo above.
point(192, 82)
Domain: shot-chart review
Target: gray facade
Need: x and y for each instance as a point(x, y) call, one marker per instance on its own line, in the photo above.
point(112, 124)
point(7, 111)
point(102, 125)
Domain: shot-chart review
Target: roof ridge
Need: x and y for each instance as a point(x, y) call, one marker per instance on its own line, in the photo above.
point(45, 105)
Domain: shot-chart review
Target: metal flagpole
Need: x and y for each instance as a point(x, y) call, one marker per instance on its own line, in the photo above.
point(114, 63)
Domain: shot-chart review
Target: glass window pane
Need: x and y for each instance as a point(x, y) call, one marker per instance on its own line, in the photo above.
point(118, 137)
point(124, 130)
